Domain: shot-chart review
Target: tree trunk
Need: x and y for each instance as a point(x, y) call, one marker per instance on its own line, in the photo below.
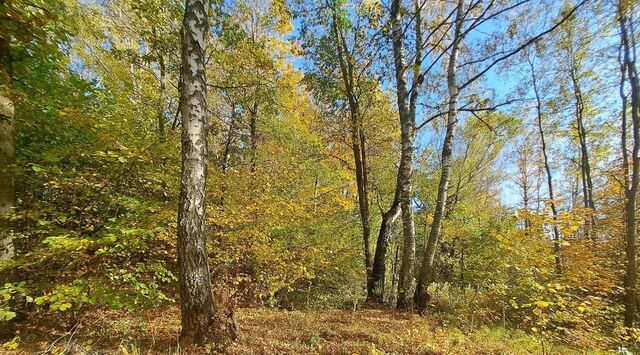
point(363, 199)
point(623, 130)
point(357, 139)
point(554, 212)
point(407, 127)
point(523, 167)
point(253, 136)
point(364, 206)
point(394, 275)
point(7, 152)
point(226, 153)
point(375, 286)
point(253, 132)
point(202, 319)
point(427, 271)
point(462, 265)
point(632, 188)
point(376, 268)
point(585, 167)
point(623, 123)
point(587, 184)
point(455, 197)
point(161, 118)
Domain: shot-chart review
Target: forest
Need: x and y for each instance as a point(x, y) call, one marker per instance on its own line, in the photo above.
point(319, 176)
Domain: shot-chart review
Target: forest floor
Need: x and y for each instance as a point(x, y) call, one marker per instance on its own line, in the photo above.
point(271, 331)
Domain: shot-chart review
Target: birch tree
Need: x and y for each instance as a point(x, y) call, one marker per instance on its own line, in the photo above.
point(202, 318)
point(426, 270)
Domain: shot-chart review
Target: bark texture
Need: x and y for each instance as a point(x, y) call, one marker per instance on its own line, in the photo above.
point(375, 284)
point(202, 319)
point(407, 128)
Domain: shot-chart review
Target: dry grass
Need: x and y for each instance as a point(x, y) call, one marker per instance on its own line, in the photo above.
point(269, 331)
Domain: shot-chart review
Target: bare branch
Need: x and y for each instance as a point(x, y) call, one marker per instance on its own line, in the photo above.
point(524, 45)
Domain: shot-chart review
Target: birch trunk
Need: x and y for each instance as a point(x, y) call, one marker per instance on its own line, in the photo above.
point(202, 319)
point(427, 271)
point(407, 128)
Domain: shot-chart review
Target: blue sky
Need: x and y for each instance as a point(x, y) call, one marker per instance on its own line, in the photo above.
point(501, 84)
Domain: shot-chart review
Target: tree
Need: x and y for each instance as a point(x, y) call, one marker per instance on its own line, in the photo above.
point(406, 98)
point(7, 150)
point(545, 156)
point(23, 28)
point(528, 177)
point(342, 73)
point(375, 286)
point(426, 271)
point(358, 141)
point(202, 318)
point(631, 190)
point(575, 47)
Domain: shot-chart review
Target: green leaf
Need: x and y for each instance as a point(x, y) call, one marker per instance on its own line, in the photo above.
point(7, 315)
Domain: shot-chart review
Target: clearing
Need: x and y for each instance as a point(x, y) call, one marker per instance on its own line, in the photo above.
point(272, 331)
